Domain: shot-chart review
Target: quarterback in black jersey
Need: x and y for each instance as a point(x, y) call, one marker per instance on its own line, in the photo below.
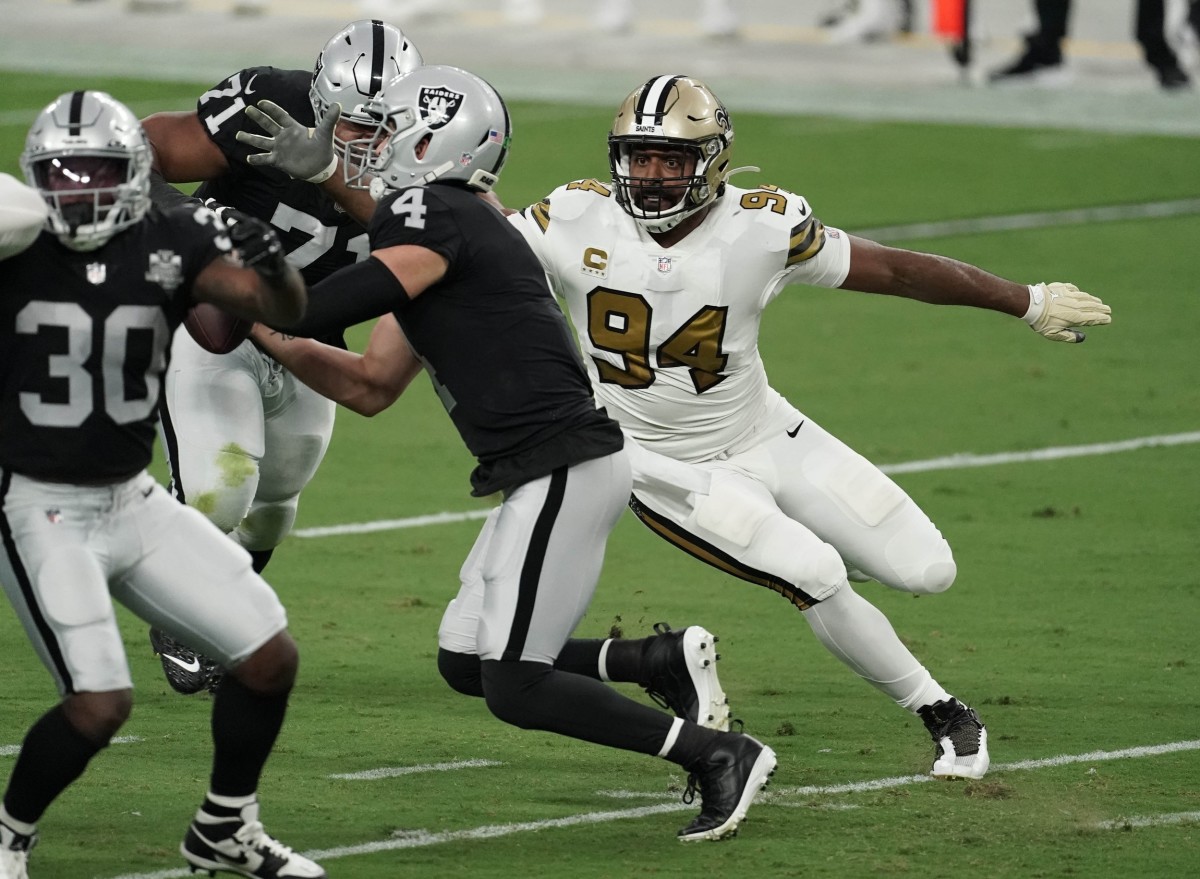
point(241, 412)
point(465, 297)
point(86, 319)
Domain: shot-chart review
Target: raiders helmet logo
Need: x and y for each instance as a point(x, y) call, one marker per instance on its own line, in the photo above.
point(438, 105)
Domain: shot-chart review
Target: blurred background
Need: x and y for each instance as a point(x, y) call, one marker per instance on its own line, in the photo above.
point(871, 59)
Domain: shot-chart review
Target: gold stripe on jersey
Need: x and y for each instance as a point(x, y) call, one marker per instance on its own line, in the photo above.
point(807, 240)
point(711, 555)
point(591, 185)
point(541, 214)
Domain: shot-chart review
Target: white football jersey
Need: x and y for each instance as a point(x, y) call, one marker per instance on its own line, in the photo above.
point(670, 335)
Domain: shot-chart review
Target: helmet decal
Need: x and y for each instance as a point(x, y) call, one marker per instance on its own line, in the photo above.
point(432, 123)
point(438, 104)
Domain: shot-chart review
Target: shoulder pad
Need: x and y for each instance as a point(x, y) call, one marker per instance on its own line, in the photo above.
point(787, 212)
point(569, 202)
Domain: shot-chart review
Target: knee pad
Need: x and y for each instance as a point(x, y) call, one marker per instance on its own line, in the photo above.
point(921, 561)
point(817, 569)
point(461, 671)
point(266, 523)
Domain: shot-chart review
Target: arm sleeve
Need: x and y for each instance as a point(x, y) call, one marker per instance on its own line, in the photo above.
point(165, 195)
point(348, 297)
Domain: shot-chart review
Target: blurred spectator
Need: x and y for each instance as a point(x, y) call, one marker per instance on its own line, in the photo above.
point(859, 21)
point(717, 17)
point(238, 7)
point(1042, 60)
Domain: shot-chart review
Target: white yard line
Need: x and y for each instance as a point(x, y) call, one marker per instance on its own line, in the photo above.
point(950, 462)
point(1150, 821)
point(425, 838)
point(395, 771)
point(14, 750)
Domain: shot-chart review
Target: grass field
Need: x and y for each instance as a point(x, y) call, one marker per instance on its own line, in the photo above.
point(1072, 626)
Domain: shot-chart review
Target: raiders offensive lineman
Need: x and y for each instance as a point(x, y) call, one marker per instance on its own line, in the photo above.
point(85, 328)
point(665, 273)
point(468, 301)
point(242, 436)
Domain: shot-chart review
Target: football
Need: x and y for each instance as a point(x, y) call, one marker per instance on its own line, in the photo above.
point(22, 214)
point(216, 330)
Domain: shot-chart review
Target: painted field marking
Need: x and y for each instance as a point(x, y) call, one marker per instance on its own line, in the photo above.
point(1043, 219)
point(1150, 820)
point(424, 838)
point(14, 750)
point(949, 462)
point(395, 771)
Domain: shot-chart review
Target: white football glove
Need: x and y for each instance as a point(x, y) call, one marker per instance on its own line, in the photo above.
point(300, 152)
point(1055, 308)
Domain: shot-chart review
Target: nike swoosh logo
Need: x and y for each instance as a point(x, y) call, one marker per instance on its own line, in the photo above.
point(249, 83)
point(193, 666)
point(792, 433)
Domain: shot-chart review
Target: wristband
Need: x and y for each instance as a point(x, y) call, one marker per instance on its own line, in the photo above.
point(1037, 304)
point(322, 176)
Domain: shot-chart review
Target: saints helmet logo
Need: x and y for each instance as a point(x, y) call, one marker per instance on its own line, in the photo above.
point(438, 105)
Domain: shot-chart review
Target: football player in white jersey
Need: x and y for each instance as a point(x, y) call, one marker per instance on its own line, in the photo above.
point(666, 272)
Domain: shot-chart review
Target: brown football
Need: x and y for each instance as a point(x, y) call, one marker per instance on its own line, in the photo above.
point(216, 330)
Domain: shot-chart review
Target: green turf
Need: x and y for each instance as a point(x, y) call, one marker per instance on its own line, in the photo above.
point(1071, 627)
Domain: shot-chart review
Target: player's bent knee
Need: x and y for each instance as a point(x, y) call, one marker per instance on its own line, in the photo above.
point(98, 716)
point(511, 691)
point(817, 569)
point(938, 577)
point(931, 575)
point(461, 671)
point(271, 669)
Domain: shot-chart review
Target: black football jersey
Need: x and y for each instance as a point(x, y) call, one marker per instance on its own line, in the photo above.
point(319, 237)
point(84, 342)
point(493, 340)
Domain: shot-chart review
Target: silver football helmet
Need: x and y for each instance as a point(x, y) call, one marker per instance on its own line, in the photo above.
point(355, 64)
point(89, 158)
point(671, 112)
point(433, 123)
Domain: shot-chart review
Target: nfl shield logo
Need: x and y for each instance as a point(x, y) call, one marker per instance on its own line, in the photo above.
point(96, 273)
point(664, 265)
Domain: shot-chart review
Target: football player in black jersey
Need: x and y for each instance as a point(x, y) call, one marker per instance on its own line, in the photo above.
point(242, 437)
point(85, 329)
point(466, 299)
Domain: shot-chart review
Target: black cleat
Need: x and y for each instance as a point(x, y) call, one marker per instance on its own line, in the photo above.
point(680, 674)
point(186, 670)
point(961, 740)
point(1036, 65)
point(729, 778)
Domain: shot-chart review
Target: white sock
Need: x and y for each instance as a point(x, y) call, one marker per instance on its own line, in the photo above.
point(20, 826)
point(857, 633)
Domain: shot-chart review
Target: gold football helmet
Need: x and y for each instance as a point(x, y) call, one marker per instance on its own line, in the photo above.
point(670, 112)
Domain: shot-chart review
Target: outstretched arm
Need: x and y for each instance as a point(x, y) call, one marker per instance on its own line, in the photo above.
point(367, 383)
point(1051, 309)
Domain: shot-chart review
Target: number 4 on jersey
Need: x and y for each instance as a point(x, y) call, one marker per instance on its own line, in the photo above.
point(410, 204)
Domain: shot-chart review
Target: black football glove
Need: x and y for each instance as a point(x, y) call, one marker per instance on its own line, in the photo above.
point(229, 216)
point(258, 246)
